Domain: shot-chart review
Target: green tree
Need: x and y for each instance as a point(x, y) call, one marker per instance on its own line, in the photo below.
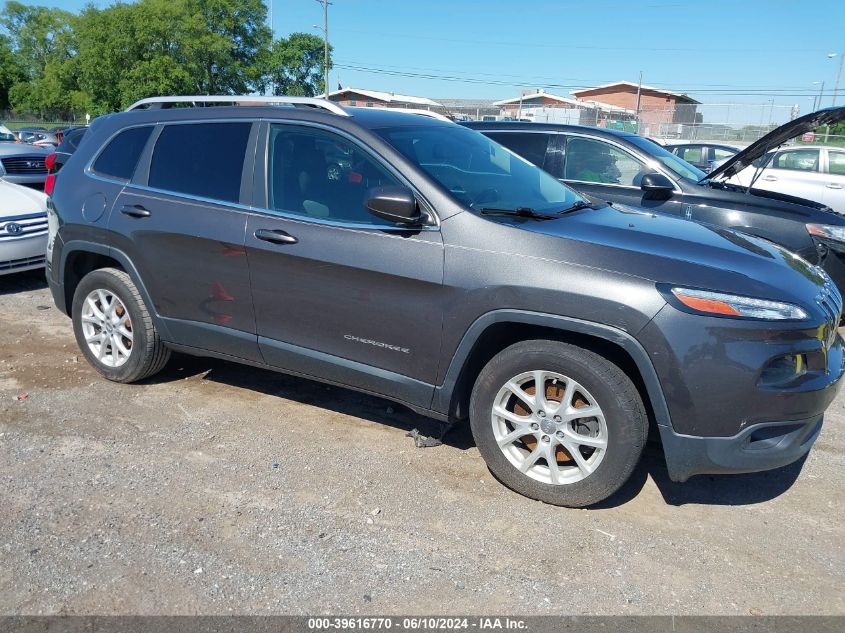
point(295, 65)
point(39, 35)
point(10, 71)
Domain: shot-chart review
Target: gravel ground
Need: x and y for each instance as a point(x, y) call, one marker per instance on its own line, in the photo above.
point(218, 488)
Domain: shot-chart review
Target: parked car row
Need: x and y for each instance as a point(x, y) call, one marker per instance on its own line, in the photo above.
point(422, 261)
point(621, 167)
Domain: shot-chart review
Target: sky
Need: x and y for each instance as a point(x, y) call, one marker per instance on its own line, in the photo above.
point(719, 51)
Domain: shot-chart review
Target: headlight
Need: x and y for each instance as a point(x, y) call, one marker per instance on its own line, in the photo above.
point(828, 231)
point(721, 304)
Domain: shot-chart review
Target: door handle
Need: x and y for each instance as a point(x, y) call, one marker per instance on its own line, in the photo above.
point(135, 211)
point(770, 178)
point(833, 185)
point(275, 236)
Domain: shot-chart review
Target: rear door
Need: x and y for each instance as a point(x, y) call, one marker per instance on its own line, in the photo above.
point(181, 221)
point(796, 172)
point(340, 294)
point(835, 180)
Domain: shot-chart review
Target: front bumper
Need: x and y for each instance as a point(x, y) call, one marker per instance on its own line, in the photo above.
point(759, 447)
point(18, 255)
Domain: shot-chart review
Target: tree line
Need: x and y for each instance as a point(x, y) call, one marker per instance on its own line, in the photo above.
point(57, 64)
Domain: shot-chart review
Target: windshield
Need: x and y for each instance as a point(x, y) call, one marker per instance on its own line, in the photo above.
point(676, 165)
point(477, 171)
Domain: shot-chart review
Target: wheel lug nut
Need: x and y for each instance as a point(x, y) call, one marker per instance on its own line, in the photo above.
point(535, 426)
point(547, 439)
point(542, 414)
point(559, 434)
point(557, 418)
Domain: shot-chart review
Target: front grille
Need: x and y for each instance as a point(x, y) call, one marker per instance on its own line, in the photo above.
point(23, 226)
point(830, 302)
point(24, 165)
point(26, 262)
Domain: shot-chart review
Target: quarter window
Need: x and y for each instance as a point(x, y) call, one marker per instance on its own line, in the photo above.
point(588, 160)
point(120, 157)
point(201, 159)
point(321, 175)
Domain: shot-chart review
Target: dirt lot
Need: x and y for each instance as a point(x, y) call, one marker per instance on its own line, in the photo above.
point(217, 488)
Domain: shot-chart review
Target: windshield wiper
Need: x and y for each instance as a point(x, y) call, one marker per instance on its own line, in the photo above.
point(577, 206)
point(520, 212)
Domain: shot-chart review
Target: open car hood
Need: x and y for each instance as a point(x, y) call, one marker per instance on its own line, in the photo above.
point(776, 137)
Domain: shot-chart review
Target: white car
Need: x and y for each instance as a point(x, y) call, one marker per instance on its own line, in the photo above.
point(807, 171)
point(23, 228)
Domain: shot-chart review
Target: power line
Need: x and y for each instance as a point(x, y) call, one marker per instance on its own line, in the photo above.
point(756, 92)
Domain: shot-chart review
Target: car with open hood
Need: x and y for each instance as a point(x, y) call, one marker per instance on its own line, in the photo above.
point(815, 172)
point(621, 167)
point(434, 267)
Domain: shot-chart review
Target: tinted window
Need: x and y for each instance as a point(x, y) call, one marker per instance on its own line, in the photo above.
point(70, 141)
point(201, 159)
point(477, 171)
point(798, 160)
point(321, 175)
point(530, 146)
point(836, 163)
point(119, 158)
point(590, 160)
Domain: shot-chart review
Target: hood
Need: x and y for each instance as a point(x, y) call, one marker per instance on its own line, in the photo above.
point(776, 137)
point(22, 149)
point(676, 251)
point(18, 200)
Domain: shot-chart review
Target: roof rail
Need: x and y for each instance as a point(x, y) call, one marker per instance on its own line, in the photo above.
point(200, 100)
point(428, 113)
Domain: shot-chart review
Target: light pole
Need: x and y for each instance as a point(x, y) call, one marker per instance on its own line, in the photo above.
point(838, 75)
point(325, 30)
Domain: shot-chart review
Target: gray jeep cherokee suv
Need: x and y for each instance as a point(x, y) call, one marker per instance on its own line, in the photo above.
point(419, 260)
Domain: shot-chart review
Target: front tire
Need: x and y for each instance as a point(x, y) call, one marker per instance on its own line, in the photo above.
point(113, 327)
point(573, 442)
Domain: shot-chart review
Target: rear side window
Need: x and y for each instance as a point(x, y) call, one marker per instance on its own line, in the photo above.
point(201, 159)
point(119, 158)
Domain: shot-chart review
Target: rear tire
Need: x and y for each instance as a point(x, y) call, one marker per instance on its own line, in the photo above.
point(546, 448)
point(114, 329)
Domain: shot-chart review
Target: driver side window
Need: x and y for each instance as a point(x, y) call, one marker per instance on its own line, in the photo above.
point(590, 160)
point(318, 174)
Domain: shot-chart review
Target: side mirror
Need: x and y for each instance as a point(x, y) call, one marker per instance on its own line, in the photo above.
point(657, 184)
point(395, 204)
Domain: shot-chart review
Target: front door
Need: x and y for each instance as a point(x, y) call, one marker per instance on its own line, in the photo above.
point(339, 293)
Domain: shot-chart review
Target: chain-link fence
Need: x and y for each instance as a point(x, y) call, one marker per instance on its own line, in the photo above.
point(730, 123)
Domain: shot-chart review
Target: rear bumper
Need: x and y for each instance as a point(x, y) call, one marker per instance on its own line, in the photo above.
point(760, 447)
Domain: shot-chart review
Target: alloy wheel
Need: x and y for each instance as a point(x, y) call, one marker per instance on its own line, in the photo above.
point(549, 427)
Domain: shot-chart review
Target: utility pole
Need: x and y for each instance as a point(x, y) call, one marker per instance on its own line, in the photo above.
point(639, 93)
point(325, 30)
point(817, 101)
